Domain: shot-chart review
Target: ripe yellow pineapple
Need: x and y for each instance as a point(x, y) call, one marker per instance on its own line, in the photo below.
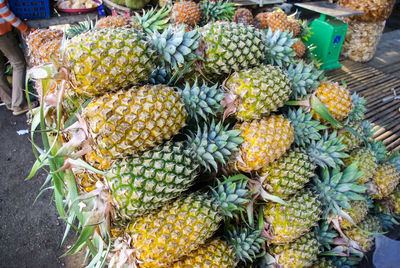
point(260, 20)
point(367, 163)
point(265, 140)
point(336, 99)
point(357, 233)
point(299, 48)
point(385, 179)
point(112, 21)
point(358, 211)
point(394, 200)
point(186, 12)
point(42, 43)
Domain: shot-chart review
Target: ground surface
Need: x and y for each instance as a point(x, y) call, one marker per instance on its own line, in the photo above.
point(30, 234)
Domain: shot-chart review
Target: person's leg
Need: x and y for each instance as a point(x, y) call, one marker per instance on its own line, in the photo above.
point(14, 54)
point(5, 90)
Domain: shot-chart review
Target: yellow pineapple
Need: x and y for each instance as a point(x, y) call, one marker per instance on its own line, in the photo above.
point(265, 140)
point(299, 48)
point(112, 22)
point(42, 43)
point(186, 12)
point(260, 20)
point(385, 179)
point(358, 211)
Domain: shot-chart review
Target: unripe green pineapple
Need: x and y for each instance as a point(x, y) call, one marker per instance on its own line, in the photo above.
point(288, 222)
point(358, 211)
point(302, 252)
point(164, 237)
point(288, 174)
point(146, 181)
point(367, 163)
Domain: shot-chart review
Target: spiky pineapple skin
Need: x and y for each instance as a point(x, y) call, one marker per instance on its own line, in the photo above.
point(366, 241)
point(337, 100)
point(164, 237)
point(259, 91)
point(366, 163)
point(291, 221)
point(107, 60)
point(395, 201)
point(323, 262)
point(278, 20)
point(299, 48)
point(385, 180)
point(350, 139)
point(358, 211)
point(299, 253)
point(243, 15)
point(288, 174)
point(127, 122)
point(215, 253)
point(260, 20)
point(230, 47)
point(186, 12)
point(265, 140)
point(42, 43)
point(112, 22)
point(147, 181)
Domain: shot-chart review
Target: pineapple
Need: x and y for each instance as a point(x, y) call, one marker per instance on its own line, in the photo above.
point(288, 174)
point(358, 211)
point(300, 253)
point(394, 201)
point(294, 25)
point(113, 22)
point(352, 135)
point(385, 179)
point(289, 222)
point(108, 59)
point(161, 238)
point(147, 181)
point(323, 262)
point(212, 11)
point(367, 163)
point(336, 99)
point(265, 140)
point(243, 15)
point(260, 20)
point(364, 240)
point(240, 245)
point(186, 12)
point(127, 122)
point(256, 92)
point(299, 48)
point(279, 20)
point(43, 43)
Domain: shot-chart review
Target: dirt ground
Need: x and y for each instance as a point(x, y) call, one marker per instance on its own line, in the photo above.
point(30, 234)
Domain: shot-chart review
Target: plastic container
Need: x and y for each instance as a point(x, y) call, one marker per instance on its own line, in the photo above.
point(361, 40)
point(375, 10)
point(30, 9)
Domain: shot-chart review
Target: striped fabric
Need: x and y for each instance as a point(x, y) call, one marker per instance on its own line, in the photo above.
point(7, 18)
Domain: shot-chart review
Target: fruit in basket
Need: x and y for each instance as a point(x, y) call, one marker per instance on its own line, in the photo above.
point(212, 11)
point(367, 163)
point(296, 218)
point(239, 245)
point(243, 15)
point(265, 140)
point(77, 4)
point(186, 12)
point(299, 48)
point(144, 182)
point(256, 92)
point(300, 253)
point(161, 238)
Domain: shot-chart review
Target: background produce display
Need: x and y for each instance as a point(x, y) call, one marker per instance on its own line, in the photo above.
point(196, 136)
point(365, 31)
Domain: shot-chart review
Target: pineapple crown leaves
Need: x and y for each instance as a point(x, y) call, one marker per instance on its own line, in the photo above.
point(367, 130)
point(202, 100)
point(306, 129)
point(336, 188)
point(160, 76)
point(247, 243)
point(325, 235)
point(359, 109)
point(231, 195)
point(327, 151)
point(379, 149)
point(214, 143)
point(216, 10)
point(175, 46)
point(304, 77)
point(154, 19)
point(394, 159)
point(305, 30)
point(81, 27)
point(278, 47)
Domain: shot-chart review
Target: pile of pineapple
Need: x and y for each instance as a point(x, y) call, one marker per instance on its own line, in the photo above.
point(187, 137)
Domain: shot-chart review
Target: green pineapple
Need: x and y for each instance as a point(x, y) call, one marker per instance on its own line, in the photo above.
point(367, 163)
point(164, 237)
point(290, 221)
point(145, 182)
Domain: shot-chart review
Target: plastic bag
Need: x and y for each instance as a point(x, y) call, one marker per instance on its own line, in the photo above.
point(375, 10)
point(361, 40)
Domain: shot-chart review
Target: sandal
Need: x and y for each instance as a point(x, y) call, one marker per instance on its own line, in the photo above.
point(25, 109)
